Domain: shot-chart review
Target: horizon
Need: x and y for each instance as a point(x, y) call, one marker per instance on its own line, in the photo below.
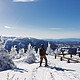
point(41, 19)
point(37, 38)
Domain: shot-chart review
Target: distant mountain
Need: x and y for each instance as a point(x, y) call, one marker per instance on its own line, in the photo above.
point(9, 37)
point(63, 40)
point(23, 43)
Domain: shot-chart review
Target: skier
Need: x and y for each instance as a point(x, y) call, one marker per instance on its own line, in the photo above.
point(43, 54)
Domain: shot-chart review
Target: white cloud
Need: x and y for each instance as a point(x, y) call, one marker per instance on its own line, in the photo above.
point(24, 0)
point(56, 28)
point(7, 27)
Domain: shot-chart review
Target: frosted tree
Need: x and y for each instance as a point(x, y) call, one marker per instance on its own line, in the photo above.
point(49, 50)
point(78, 49)
point(1, 43)
point(21, 52)
point(38, 52)
point(1, 39)
point(30, 54)
point(34, 51)
point(13, 52)
point(5, 59)
point(57, 51)
point(2, 46)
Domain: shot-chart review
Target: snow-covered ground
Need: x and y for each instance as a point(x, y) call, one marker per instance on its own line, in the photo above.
point(57, 70)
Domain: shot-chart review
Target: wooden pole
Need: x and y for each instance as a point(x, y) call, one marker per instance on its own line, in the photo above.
point(79, 54)
point(55, 56)
point(61, 59)
point(68, 61)
point(71, 55)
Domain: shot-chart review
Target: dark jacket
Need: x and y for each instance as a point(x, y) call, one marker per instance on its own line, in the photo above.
point(42, 52)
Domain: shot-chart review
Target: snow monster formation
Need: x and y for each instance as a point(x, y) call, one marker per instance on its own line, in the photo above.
point(5, 59)
point(30, 54)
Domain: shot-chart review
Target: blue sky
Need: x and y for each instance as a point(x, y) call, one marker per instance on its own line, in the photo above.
point(41, 19)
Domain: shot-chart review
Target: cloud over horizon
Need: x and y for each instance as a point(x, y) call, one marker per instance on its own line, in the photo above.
point(24, 0)
point(56, 28)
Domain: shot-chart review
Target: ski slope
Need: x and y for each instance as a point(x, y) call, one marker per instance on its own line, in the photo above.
point(57, 70)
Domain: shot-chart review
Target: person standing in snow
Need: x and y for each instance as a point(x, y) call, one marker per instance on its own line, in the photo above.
point(43, 54)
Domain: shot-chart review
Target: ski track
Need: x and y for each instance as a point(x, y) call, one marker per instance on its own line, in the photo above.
point(34, 72)
point(52, 75)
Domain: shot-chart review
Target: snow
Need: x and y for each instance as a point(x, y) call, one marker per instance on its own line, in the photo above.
point(57, 70)
point(27, 66)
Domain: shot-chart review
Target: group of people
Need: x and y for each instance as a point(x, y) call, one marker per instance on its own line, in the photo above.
point(42, 53)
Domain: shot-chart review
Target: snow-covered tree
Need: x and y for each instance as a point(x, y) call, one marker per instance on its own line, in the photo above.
point(1, 39)
point(6, 62)
point(49, 50)
point(21, 52)
point(38, 52)
point(57, 51)
point(13, 52)
point(5, 59)
point(1, 43)
point(30, 54)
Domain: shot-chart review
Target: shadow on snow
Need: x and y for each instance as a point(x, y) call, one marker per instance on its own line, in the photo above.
point(19, 70)
point(59, 69)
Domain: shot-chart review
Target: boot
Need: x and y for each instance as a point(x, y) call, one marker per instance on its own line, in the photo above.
point(40, 65)
point(46, 65)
